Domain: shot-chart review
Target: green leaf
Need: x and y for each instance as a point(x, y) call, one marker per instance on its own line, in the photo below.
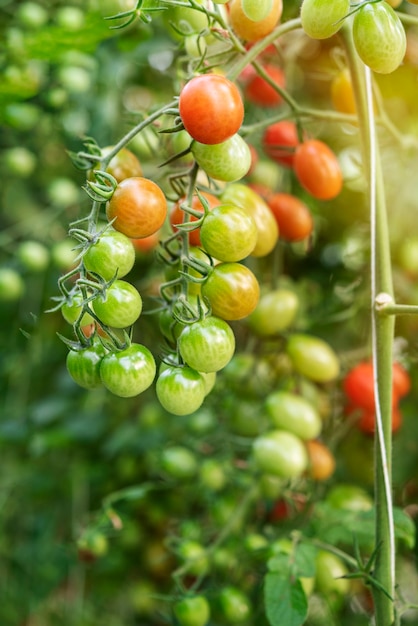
point(285, 600)
point(404, 528)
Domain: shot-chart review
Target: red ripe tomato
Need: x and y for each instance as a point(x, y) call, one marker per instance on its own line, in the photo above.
point(138, 207)
point(211, 108)
point(280, 141)
point(318, 170)
point(367, 421)
point(259, 91)
point(292, 215)
point(249, 29)
point(359, 387)
point(177, 214)
point(401, 380)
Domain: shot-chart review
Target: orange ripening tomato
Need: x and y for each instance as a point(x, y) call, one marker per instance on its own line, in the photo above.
point(321, 460)
point(260, 92)
point(138, 207)
point(292, 215)
point(177, 215)
point(401, 380)
point(146, 244)
point(318, 170)
point(249, 30)
point(280, 141)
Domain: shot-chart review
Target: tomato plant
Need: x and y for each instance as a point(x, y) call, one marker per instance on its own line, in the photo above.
point(113, 254)
point(211, 108)
point(137, 208)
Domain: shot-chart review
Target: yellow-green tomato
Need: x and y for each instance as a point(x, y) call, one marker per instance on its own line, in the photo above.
point(228, 233)
point(179, 462)
point(280, 453)
point(313, 357)
point(379, 37)
point(329, 580)
point(253, 204)
point(228, 161)
point(180, 390)
point(274, 312)
point(323, 18)
point(293, 413)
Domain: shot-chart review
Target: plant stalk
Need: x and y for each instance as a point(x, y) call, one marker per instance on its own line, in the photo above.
point(382, 336)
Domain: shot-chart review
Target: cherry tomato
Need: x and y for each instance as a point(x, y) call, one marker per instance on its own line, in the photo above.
point(192, 611)
point(274, 312)
point(182, 21)
point(123, 165)
point(251, 30)
point(178, 462)
point(33, 256)
point(293, 413)
point(318, 170)
point(313, 357)
point(256, 10)
point(234, 605)
point(138, 207)
point(71, 311)
point(330, 570)
point(228, 233)
point(147, 244)
point(367, 420)
point(342, 93)
point(358, 385)
point(280, 453)
point(253, 204)
point(113, 254)
point(227, 161)
point(180, 390)
point(349, 497)
point(12, 285)
point(260, 92)
point(177, 215)
point(321, 460)
point(232, 290)
point(194, 556)
point(323, 18)
point(379, 37)
point(293, 216)
point(207, 345)
point(211, 108)
point(280, 141)
point(121, 306)
point(128, 372)
point(84, 365)
point(401, 380)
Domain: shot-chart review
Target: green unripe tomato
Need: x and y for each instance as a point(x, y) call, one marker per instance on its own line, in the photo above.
point(194, 555)
point(92, 545)
point(34, 256)
point(228, 161)
point(379, 37)
point(228, 233)
point(32, 15)
point(179, 462)
point(212, 475)
point(128, 372)
point(235, 605)
point(207, 345)
point(180, 390)
point(323, 18)
point(121, 306)
point(71, 311)
point(11, 285)
point(313, 357)
point(112, 254)
point(84, 365)
point(328, 577)
point(280, 453)
point(274, 312)
point(20, 161)
point(256, 10)
point(193, 611)
point(293, 413)
point(349, 498)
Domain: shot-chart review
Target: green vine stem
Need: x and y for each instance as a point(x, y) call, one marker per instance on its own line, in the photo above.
point(382, 328)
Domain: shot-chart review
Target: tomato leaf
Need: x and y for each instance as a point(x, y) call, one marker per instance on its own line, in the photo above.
point(285, 599)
